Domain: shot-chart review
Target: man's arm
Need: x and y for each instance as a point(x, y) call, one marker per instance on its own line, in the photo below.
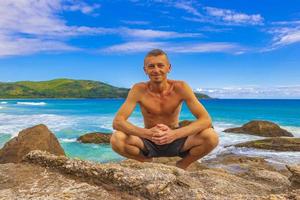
point(203, 119)
point(120, 122)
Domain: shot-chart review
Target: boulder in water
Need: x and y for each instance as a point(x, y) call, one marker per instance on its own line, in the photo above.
point(261, 128)
point(38, 137)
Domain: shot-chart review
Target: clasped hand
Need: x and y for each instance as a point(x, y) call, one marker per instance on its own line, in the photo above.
point(162, 134)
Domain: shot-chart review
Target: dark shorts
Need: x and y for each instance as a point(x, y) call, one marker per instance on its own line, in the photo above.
point(166, 150)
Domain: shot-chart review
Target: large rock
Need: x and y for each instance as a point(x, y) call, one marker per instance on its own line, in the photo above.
point(158, 181)
point(295, 178)
point(22, 181)
point(260, 128)
point(46, 176)
point(277, 144)
point(38, 137)
point(96, 138)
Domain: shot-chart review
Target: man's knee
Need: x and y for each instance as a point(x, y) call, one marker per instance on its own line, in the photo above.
point(210, 137)
point(117, 140)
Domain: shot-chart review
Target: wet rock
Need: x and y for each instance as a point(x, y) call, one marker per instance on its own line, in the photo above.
point(38, 137)
point(277, 144)
point(260, 128)
point(96, 138)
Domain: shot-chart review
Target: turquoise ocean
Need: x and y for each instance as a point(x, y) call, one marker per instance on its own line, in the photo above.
point(70, 118)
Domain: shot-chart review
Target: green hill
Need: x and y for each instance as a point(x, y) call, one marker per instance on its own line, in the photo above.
point(64, 88)
point(61, 88)
point(202, 96)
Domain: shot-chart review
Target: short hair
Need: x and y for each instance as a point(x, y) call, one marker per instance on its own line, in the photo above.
point(156, 52)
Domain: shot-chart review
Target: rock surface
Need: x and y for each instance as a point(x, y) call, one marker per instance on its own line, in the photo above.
point(96, 138)
point(159, 181)
point(277, 144)
point(42, 175)
point(38, 137)
point(260, 128)
point(27, 181)
point(295, 178)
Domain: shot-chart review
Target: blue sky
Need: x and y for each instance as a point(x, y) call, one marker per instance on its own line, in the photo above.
point(227, 49)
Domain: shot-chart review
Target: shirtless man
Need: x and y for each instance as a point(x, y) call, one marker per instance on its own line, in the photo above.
point(160, 100)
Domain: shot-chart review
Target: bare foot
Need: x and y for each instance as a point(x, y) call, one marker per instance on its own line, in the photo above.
point(145, 159)
point(181, 165)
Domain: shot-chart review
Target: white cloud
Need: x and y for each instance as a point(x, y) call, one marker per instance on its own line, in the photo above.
point(286, 22)
point(73, 5)
point(284, 33)
point(33, 26)
point(10, 46)
point(215, 15)
point(142, 46)
point(133, 47)
point(233, 17)
point(253, 92)
point(135, 22)
point(30, 26)
point(187, 6)
point(149, 33)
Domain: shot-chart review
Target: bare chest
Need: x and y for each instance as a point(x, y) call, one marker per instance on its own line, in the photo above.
point(155, 105)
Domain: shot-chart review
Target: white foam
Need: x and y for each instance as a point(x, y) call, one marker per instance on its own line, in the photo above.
point(284, 157)
point(32, 103)
point(12, 124)
point(294, 130)
point(67, 140)
point(3, 102)
point(1, 107)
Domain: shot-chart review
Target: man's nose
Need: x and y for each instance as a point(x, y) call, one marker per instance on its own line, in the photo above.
point(155, 68)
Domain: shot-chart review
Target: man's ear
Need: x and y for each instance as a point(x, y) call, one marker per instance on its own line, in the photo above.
point(170, 67)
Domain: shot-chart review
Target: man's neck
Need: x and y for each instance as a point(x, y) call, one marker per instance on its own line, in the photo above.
point(159, 88)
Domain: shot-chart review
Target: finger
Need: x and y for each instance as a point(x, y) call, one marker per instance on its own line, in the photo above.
point(161, 126)
point(164, 142)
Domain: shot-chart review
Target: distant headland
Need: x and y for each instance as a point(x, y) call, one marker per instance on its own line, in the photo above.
point(65, 88)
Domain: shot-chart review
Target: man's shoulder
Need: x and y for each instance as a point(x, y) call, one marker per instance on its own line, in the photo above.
point(139, 87)
point(179, 85)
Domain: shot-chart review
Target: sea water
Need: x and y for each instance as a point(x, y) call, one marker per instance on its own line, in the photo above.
point(70, 118)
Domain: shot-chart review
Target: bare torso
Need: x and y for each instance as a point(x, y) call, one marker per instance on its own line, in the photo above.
point(161, 108)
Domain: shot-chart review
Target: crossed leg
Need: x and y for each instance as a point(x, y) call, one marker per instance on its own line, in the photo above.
point(128, 146)
point(199, 145)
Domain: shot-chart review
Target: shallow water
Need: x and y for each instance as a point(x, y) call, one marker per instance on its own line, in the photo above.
point(70, 118)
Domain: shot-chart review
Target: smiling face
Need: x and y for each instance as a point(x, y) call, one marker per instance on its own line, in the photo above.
point(157, 68)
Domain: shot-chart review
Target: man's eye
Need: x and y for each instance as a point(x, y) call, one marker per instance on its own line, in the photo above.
point(150, 66)
point(160, 65)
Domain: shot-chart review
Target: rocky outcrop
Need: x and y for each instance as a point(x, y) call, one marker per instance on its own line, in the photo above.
point(260, 128)
point(26, 181)
point(158, 181)
point(43, 175)
point(295, 178)
point(96, 138)
point(277, 144)
point(38, 137)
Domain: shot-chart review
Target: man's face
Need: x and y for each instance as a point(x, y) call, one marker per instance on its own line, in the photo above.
point(157, 68)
